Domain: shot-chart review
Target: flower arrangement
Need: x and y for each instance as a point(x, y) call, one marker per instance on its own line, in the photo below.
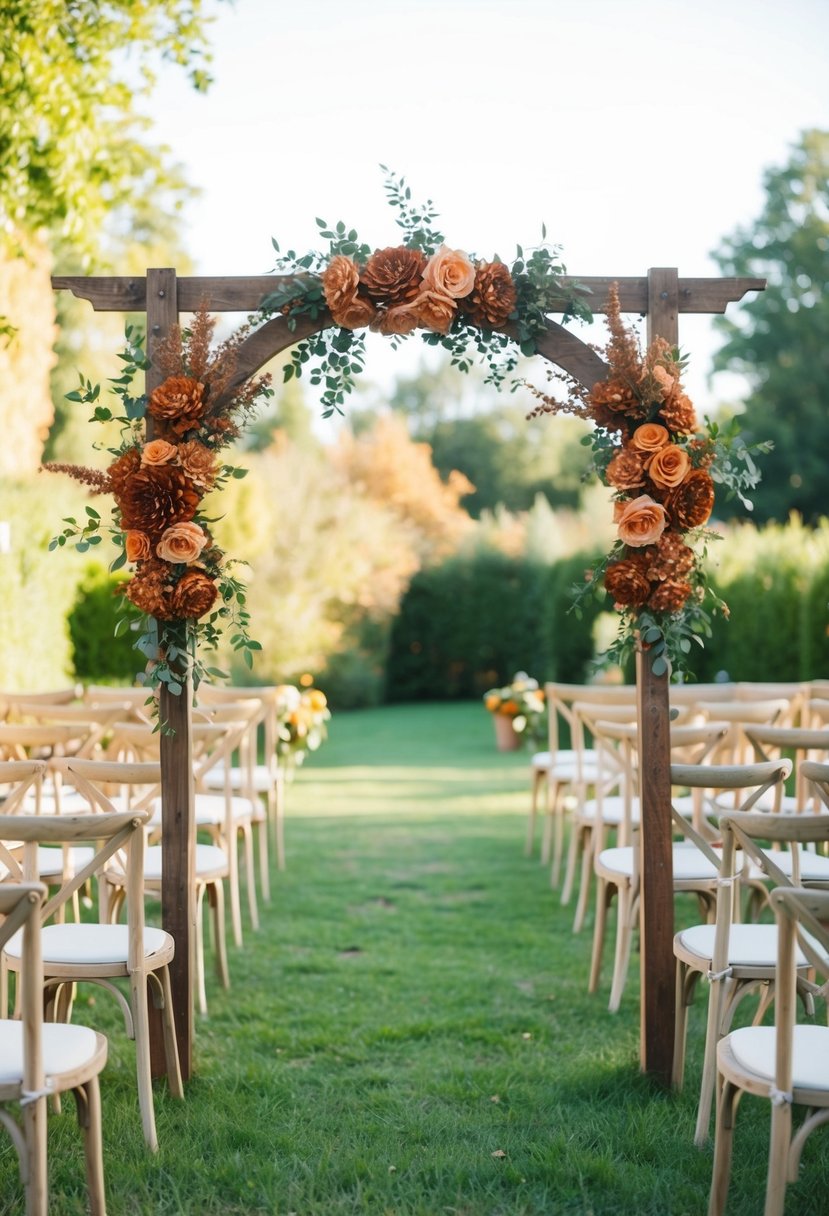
point(522, 702)
point(302, 718)
point(469, 305)
point(182, 583)
point(648, 449)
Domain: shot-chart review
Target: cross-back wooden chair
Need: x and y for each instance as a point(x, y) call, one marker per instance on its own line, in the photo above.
point(101, 952)
point(38, 1060)
point(136, 742)
point(54, 696)
point(795, 692)
point(618, 869)
point(264, 777)
point(139, 701)
point(738, 958)
point(787, 1064)
point(741, 714)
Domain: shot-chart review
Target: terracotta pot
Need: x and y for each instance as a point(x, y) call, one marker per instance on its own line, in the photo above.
point(506, 740)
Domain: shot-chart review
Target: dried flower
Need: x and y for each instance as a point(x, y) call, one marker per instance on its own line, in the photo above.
point(626, 470)
point(122, 469)
point(149, 590)
point(341, 283)
point(400, 320)
point(137, 546)
point(155, 497)
point(393, 276)
point(691, 503)
point(670, 595)
point(178, 401)
point(435, 311)
point(193, 595)
point(678, 415)
point(158, 451)
point(627, 582)
point(649, 437)
point(670, 558)
point(199, 463)
point(493, 297)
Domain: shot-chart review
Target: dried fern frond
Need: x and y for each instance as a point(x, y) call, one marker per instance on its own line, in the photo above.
point(95, 480)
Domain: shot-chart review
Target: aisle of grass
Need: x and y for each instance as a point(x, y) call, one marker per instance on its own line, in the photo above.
point(409, 1033)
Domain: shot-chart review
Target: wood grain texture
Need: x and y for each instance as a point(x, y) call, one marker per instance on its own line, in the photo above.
point(656, 908)
point(245, 293)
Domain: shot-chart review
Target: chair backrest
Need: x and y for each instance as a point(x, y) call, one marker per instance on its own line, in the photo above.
point(94, 720)
point(57, 696)
point(798, 742)
point(817, 712)
point(115, 833)
point(22, 740)
point(689, 694)
point(269, 697)
point(802, 916)
point(20, 908)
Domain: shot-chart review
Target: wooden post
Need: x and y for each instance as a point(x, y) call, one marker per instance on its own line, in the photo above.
point(656, 907)
point(178, 912)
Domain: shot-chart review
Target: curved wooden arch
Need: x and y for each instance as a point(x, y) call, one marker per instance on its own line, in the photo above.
point(556, 344)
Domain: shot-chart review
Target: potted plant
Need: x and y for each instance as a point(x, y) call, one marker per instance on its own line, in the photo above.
point(518, 712)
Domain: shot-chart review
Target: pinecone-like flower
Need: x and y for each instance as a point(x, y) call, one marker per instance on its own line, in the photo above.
point(627, 582)
point(179, 401)
point(671, 558)
point(691, 503)
point(155, 497)
point(670, 595)
point(493, 297)
point(626, 470)
point(149, 590)
point(393, 276)
point(199, 463)
point(678, 414)
point(194, 595)
point(123, 469)
point(617, 395)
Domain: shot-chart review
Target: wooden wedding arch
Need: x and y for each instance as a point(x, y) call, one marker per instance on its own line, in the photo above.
point(660, 296)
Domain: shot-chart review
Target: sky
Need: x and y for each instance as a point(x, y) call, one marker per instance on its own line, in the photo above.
point(638, 131)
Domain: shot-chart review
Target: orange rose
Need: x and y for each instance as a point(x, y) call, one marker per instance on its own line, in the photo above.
point(450, 273)
point(340, 283)
point(158, 451)
point(181, 543)
point(435, 310)
point(199, 463)
point(137, 546)
point(401, 320)
point(669, 467)
point(650, 437)
point(641, 521)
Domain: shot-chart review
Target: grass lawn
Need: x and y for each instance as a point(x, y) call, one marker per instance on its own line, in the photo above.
point(409, 1034)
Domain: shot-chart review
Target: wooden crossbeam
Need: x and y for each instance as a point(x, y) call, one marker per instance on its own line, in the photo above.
point(245, 293)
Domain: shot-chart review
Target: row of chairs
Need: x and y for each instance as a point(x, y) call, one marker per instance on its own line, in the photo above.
point(731, 762)
point(81, 786)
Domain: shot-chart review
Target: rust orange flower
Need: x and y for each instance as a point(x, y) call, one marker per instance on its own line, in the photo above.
point(650, 437)
point(450, 273)
point(393, 276)
point(137, 546)
point(199, 463)
point(179, 401)
point(193, 595)
point(156, 497)
point(627, 582)
point(641, 521)
point(493, 296)
point(691, 503)
point(340, 284)
point(626, 470)
point(435, 311)
point(669, 466)
point(181, 543)
point(158, 451)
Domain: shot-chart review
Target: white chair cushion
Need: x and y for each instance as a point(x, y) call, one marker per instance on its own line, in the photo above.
point(748, 945)
point(566, 763)
point(689, 863)
point(813, 867)
point(50, 860)
point(88, 944)
point(754, 1049)
point(613, 810)
point(65, 1048)
point(263, 779)
point(209, 810)
point(210, 860)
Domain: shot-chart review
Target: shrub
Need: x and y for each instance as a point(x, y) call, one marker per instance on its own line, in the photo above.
point(100, 656)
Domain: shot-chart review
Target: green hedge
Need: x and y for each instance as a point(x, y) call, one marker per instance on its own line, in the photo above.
point(98, 655)
point(472, 622)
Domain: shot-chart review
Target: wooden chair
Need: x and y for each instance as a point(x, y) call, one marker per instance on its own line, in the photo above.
point(252, 777)
point(138, 700)
point(617, 869)
point(101, 952)
point(55, 696)
point(786, 1064)
point(736, 748)
point(136, 742)
point(737, 959)
point(38, 1060)
point(559, 770)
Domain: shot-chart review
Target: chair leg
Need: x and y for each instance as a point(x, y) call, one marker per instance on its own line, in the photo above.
point(34, 1169)
point(250, 876)
point(572, 860)
point(88, 1100)
point(216, 899)
point(264, 869)
point(781, 1135)
point(201, 992)
point(233, 884)
point(718, 1008)
point(604, 894)
point(584, 883)
point(685, 984)
point(537, 782)
point(168, 1025)
point(279, 821)
point(559, 810)
point(624, 936)
point(728, 1097)
point(140, 1015)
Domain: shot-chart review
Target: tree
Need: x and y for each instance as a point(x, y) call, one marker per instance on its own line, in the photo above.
point(780, 341)
point(73, 150)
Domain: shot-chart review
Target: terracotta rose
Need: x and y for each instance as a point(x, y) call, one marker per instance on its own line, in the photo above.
point(650, 437)
point(435, 310)
point(641, 521)
point(449, 273)
point(137, 546)
point(182, 543)
point(158, 451)
point(340, 284)
point(669, 467)
point(194, 595)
